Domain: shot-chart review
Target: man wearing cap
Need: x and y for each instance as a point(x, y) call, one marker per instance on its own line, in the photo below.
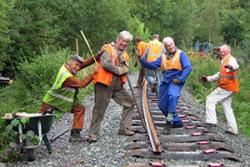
point(109, 81)
point(63, 94)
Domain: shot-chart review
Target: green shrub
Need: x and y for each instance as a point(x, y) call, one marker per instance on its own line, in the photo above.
point(25, 95)
point(202, 67)
point(33, 80)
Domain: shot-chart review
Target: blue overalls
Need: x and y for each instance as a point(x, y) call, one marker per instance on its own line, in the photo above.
point(169, 92)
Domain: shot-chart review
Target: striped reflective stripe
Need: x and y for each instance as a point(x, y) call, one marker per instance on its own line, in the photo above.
point(61, 96)
point(113, 55)
point(68, 89)
point(154, 55)
point(59, 80)
point(226, 76)
point(164, 61)
point(175, 57)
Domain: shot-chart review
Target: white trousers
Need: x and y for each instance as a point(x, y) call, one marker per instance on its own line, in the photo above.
point(225, 98)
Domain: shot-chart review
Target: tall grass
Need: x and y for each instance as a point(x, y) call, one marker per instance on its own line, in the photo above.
point(241, 103)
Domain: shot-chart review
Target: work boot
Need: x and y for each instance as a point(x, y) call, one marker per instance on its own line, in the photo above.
point(153, 87)
point(126, 132)
point(231, 131)
point(167, 128)
point(75, 136)
point(178, 125)
point(210, 127)
point(92, 138)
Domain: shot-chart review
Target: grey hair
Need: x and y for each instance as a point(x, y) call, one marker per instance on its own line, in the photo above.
point(126, 35)
point(227, 47)
point(168, 40)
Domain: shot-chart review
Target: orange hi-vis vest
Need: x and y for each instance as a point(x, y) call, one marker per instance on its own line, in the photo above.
point(142, 46)
point(103, 76)
point(172, 64)
point(156, 49)
point(228, 80)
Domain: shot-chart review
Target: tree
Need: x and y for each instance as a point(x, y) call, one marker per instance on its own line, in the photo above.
point(235, 20)
point(30, 29)
point(100, 20)
point(167, 18)
point(5, 7)
point(208, 20)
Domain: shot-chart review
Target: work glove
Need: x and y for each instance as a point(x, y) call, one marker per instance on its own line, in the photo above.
point(123, 70)
point(10, 82)
point(228, 67)
point(176, 81)
point(203, 79)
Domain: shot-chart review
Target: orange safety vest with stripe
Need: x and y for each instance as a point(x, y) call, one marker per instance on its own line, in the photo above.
point(156, 49)
point(105, 77)
point(171, 64)
point(141, 47)
point(228, 79)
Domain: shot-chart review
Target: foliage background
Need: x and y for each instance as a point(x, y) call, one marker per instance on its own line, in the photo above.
point(37, 36)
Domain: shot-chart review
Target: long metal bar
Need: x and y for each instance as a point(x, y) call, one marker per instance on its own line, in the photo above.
point(152, 134)
point(136, 104)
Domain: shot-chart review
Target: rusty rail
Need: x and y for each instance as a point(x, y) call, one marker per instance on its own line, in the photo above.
point(193, 142)
point(151, 130)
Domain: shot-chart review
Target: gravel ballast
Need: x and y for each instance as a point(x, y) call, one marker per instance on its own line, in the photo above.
point(109, 149)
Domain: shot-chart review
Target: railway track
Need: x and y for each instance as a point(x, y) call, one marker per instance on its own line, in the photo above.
point(195, 143)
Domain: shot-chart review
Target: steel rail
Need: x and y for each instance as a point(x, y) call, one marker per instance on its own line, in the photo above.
point(194, 141)
point(151, 130)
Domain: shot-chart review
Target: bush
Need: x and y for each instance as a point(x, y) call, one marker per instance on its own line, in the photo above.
point(32, 80)
point(202, 67)
point(25, 95)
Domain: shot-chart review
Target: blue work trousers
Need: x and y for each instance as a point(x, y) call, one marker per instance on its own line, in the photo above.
point(169, 94)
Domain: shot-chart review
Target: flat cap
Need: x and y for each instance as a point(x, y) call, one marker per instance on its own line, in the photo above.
point(77, 58)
